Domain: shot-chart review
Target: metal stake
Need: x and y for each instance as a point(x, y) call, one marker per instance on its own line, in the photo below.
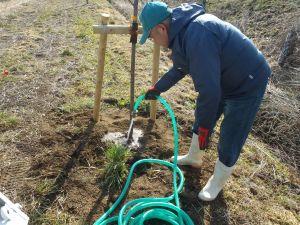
point(133, 40)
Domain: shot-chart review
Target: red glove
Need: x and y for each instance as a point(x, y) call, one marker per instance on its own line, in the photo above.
point(152, 93)
point(203, 138)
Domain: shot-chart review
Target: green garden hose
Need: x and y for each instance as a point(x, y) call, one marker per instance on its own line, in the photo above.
point(137, 211)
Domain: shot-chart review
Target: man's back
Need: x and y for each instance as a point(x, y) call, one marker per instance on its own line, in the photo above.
point(239, 60)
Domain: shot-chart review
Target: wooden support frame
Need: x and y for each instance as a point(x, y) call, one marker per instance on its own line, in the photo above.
point(113, 29)
point(100, 69)
point(104, 29)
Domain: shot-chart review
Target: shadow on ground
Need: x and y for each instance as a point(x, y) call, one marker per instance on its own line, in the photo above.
point(50, 197)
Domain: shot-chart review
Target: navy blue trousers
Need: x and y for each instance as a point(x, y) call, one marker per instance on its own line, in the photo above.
point(239, 114)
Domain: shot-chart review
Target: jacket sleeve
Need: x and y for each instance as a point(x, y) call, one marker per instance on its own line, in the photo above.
point(203, 49)
point(169, 79)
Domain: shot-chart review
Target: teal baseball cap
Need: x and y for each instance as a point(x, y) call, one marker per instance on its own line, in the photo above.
point(152, 14)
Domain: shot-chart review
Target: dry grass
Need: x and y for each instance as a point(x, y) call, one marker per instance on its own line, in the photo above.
point(278, 124)
point(264, 185)
point(52, 63)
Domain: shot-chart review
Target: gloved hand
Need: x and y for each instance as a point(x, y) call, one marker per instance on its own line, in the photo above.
point(152, 93)
point(203, 138)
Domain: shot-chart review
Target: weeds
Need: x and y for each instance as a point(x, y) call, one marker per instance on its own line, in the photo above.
point(43, 188)
point(123, 103)
point(83, 28)
point(86, 87)
point(115, 170)
point(53, 218)
point(66, 52)
point(77, 105)
point(144, 107)
point(7, 121)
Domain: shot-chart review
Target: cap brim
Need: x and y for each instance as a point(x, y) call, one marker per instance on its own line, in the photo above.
point(144, 37)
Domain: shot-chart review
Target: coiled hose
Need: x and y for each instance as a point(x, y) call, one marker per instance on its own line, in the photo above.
point(137, 211)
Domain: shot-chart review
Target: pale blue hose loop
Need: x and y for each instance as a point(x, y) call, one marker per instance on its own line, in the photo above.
point(137, 211)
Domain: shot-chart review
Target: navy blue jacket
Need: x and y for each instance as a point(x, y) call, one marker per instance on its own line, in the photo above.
point(222, 61)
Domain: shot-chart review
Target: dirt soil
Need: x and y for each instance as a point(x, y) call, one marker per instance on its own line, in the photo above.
point(81, 157)
point(51, 152)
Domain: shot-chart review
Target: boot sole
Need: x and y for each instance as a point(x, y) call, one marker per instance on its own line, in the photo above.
point(206, 200)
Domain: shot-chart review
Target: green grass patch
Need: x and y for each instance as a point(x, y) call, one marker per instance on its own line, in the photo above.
point(84, 88)
point(43, 187)
point(115, 169)
point(11, 62)
point(79, 103)
point(8, 79)
point(123, 103)
point(66, 52)
point(7, 24)
point(117, 66)
point(8, 121)
point(11, 17)
point(84, 27)
point(87, 62)
point(45, 15)
point(265, 4)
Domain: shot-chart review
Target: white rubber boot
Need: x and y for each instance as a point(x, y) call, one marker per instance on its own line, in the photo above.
point(216, 182)
point(194, 157)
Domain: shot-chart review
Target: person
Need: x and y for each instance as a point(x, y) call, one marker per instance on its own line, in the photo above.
point(228, 71)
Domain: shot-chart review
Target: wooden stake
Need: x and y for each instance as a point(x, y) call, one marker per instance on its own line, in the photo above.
point(100, 69)
point(114, 29)
point(155, 70)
